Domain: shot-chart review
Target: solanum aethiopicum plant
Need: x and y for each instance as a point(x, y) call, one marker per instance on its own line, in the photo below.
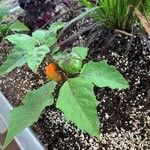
point(76, 96)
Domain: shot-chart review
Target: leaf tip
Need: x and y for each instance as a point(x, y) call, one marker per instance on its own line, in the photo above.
point(6, 142)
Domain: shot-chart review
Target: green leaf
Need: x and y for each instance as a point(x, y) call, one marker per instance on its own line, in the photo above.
point(36, 55)
point(58, 54)
point(18, 26)
point(103, 75)
point(87, 3)
point(15, 59)
point(40, 35)
point(4, 27)
point(25, 115)
point(45, 37)
point(51, 40)
point(82, 51)
point(54, 27)
point(3, 12)
point(22, 41)
point(77, 101)
point(48, 36)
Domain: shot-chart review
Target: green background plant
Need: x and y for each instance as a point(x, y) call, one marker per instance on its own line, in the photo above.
point(117, 14)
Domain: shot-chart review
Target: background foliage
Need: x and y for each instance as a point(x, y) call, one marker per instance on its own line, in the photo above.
point(117, 14)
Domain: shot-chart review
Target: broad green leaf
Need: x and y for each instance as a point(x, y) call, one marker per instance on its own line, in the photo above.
point(45, 37)
point(36, 55)
point(54, 27)
point(18, 26)
point(15, 59)
point(51, 40)
point(25, 115)
point(3, 12)
point(59, 55)
point(48, 36)
point(77, 101)
point(103, 75)
point(41, 35)
point(82, 51)
point(22, 41)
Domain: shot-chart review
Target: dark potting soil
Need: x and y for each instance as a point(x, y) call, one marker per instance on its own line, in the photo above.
point(124, 114)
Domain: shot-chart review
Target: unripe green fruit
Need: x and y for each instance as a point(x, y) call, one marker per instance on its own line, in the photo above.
point(71, 64)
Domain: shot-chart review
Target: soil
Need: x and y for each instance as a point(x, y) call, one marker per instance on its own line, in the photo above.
point(124, 114)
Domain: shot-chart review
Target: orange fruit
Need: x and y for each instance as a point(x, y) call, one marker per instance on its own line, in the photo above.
point(52, 73)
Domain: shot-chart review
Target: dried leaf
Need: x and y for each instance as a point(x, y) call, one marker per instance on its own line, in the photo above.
point(143, 21)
